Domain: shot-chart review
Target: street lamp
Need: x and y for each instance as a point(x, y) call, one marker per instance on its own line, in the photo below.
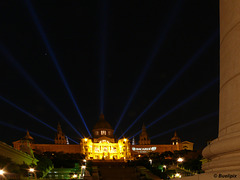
point(2, 172)
point(180, 160)
point(75, 176)
point(178, 175)
point(150, 160)
point(32, 170)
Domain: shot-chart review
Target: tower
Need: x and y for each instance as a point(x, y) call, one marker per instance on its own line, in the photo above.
point(143, 138)
point(133, 141)
point(25, 144)
point(60, 137)
point(175, 140)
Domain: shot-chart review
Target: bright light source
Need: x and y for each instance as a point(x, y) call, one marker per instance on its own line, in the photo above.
point(75, 176)
point(85, 139)
point(150, 160)
point(31, 170)
point(84, 160)
point(139, 155)
point(125, 139)
point(1, 172)
point(180, 160)
point(178, 175)
point(164, 166)
point(83, 167)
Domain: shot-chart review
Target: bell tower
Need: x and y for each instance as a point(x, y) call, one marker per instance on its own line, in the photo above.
point(143, 138)
point(60, 137)
point(175, 140)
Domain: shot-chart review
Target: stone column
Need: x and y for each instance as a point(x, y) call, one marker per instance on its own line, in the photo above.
point(224, 152)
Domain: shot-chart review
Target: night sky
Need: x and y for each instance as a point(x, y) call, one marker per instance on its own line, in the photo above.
point(107, 45)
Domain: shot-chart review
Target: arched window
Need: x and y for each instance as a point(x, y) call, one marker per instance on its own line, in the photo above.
point(103, 132)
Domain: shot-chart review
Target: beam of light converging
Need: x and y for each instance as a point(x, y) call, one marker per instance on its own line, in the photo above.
point(188, 124)
point(198, 92)
point(27, 113)
point(103, 39)
point(30, 115)
point(195, 57)
point(34, 84)
point(54, 59)
point(24, 130)
point(153, 54)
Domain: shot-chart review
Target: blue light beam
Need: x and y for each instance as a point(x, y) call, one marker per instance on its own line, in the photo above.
point(27, 113)
point(176, 77)
point(181, 104)
point(32, 116)
point(54, 59)
point(161, 38)
point(103, 39)
point(24, 130)
point(187, 124)
point(34, 84)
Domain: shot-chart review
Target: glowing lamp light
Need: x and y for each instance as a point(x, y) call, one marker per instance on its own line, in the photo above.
point(1, 172)
point(75, 176)
point(31, 170)
point(85, 139)
point(150, 160)
point(164, 166)
point(139, 155)
point(84, 160)
point(178, 175)
point(180, 160)
point(125, 139)
point(83, 167)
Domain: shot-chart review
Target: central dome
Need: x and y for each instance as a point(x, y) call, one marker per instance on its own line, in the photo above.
point(102, 123)
point(102, 128)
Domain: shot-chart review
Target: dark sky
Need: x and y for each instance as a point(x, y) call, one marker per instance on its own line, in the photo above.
point(125, 34)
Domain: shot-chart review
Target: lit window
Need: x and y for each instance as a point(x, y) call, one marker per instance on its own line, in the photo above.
point(105, 149)
point(103, 133)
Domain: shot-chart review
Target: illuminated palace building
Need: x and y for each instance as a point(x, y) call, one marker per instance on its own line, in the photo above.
point(103, 145)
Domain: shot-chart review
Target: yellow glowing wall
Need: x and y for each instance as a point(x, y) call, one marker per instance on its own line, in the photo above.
point(106, 150)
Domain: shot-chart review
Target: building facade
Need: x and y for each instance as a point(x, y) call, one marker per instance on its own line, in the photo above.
point(144, 146)
point(16, 156)
point(103, 144)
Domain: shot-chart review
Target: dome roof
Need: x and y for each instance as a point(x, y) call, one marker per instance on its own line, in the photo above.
point(102, 123)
